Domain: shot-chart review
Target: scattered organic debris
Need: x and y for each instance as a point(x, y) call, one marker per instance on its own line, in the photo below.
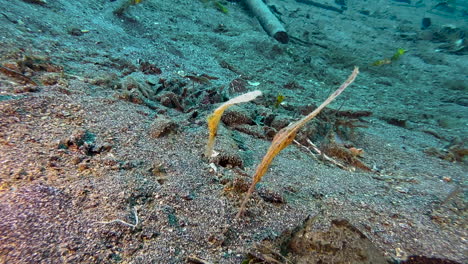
point(341, 242)
point(162, 126)
point(315, 150)
point(454, 202)
point(23, 68)
point(456, 191)
point(349, 156)
point(84, 142)
point(293, 86)
point(238, 85)
point(149, 68)
point(353, 114)
point(18, 76)
point(456, 151)
point(37, 63)
point(345, 127)
point(172, 100)
point(453, 38)
point(202, 78)
point(226, 65)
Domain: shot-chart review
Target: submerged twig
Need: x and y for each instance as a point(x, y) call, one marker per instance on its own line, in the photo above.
point(196, 260)
point(122, 221)
point(284, 260)
point(320, 153)
point(16, 75)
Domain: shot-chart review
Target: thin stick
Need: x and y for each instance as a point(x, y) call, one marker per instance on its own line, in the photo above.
point(325, 156)
point(197, 260)
point(17, 75)
point(122, 221)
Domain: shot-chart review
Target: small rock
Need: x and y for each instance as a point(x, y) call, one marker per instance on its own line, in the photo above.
point(236, 116)
point(162, 126)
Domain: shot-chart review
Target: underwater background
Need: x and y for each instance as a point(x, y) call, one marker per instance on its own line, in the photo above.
point(103, 131)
